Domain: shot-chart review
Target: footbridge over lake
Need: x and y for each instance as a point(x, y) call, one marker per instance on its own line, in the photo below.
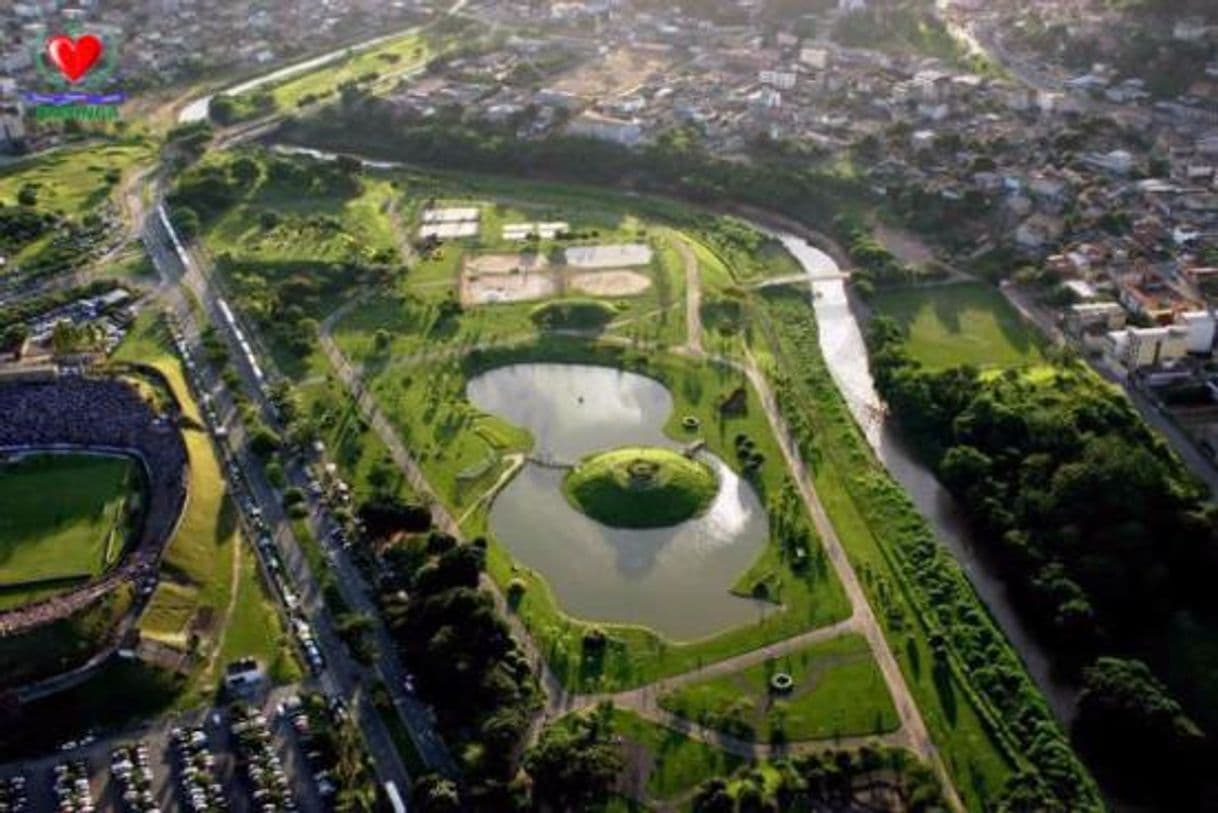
point(549, 461)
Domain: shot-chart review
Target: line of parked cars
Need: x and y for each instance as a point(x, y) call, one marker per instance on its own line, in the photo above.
point(132, 772)
point(196, 767)
point(71, 786)
point(311, 721)
point(12, 795)
point(269, 785)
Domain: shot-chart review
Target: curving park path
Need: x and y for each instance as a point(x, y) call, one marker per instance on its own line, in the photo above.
point(912, 733)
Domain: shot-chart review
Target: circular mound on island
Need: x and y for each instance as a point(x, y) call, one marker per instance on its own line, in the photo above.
point(640, 487)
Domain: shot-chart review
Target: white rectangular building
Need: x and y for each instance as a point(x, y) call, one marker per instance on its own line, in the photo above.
point(1138, 348)
point(627, 132)
point(1200, 326)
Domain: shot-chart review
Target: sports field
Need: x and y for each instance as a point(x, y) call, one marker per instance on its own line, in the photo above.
point(951, 325)
point(62, 520)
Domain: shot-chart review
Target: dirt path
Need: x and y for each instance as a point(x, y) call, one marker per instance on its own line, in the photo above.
point(693, 297)
point(234, 589)
point(515, 463)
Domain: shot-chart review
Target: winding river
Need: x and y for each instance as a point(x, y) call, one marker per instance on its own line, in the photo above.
point(846, 356)
point(674, 580)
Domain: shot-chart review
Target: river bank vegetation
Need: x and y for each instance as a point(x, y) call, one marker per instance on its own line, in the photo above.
point(1105, 540)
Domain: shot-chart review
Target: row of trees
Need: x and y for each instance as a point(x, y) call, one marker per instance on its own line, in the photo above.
point(1104, 539)
point(676, 163)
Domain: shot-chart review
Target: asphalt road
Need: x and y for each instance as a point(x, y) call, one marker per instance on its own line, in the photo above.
point(342, 677)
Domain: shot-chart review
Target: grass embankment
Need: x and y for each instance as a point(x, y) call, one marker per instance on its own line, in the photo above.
point(211, 599)
point(986, 716)
point(445, 432)
point(63, 519)
point(637, 487)
point(838, 692)
point(395, 56)
point(951, 325)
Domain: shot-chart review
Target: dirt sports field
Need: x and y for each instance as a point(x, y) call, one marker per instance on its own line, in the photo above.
point(610, 283)
point(498, 278)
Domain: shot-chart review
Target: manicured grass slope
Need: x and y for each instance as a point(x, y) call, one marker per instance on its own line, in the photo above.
point(637, 487)
point(950, 325)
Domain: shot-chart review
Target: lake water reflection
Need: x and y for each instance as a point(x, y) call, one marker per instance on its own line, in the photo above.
point(674, 580)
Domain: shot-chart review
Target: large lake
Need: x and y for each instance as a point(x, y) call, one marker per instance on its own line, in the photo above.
point(674, 580)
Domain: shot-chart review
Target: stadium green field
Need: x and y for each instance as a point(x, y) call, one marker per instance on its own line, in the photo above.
point(63, 519)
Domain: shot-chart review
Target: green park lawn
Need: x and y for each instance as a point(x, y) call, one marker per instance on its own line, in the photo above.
point(62, 517)
point(675, 764)
point(951, 325)
point(838, 692)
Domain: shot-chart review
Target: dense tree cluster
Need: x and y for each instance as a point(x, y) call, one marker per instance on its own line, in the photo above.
point(465, 660)
point(575, 762)
point(1128, 718)
point(21, 225)
point(385, 517)
point(825, 781)
point(676, 163)
point(1103, 537)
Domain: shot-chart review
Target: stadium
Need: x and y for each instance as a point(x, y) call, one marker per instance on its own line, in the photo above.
point(128, 420)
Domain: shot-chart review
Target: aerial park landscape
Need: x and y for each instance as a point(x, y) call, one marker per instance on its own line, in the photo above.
point(350, 458)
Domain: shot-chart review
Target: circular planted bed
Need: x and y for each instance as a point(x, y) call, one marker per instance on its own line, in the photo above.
point(782, 683)
point(641, 487)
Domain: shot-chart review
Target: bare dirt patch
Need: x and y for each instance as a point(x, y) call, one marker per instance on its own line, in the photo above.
point(504, 263)
point(610, 283)
point(617, 72)
point(490, 278)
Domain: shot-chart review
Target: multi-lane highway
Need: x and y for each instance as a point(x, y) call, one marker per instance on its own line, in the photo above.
point(341, 676)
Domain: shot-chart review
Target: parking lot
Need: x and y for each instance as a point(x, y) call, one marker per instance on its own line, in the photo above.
point(187, 763)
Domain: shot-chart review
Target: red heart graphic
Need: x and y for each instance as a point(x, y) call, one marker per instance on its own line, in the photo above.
point(74, 58)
